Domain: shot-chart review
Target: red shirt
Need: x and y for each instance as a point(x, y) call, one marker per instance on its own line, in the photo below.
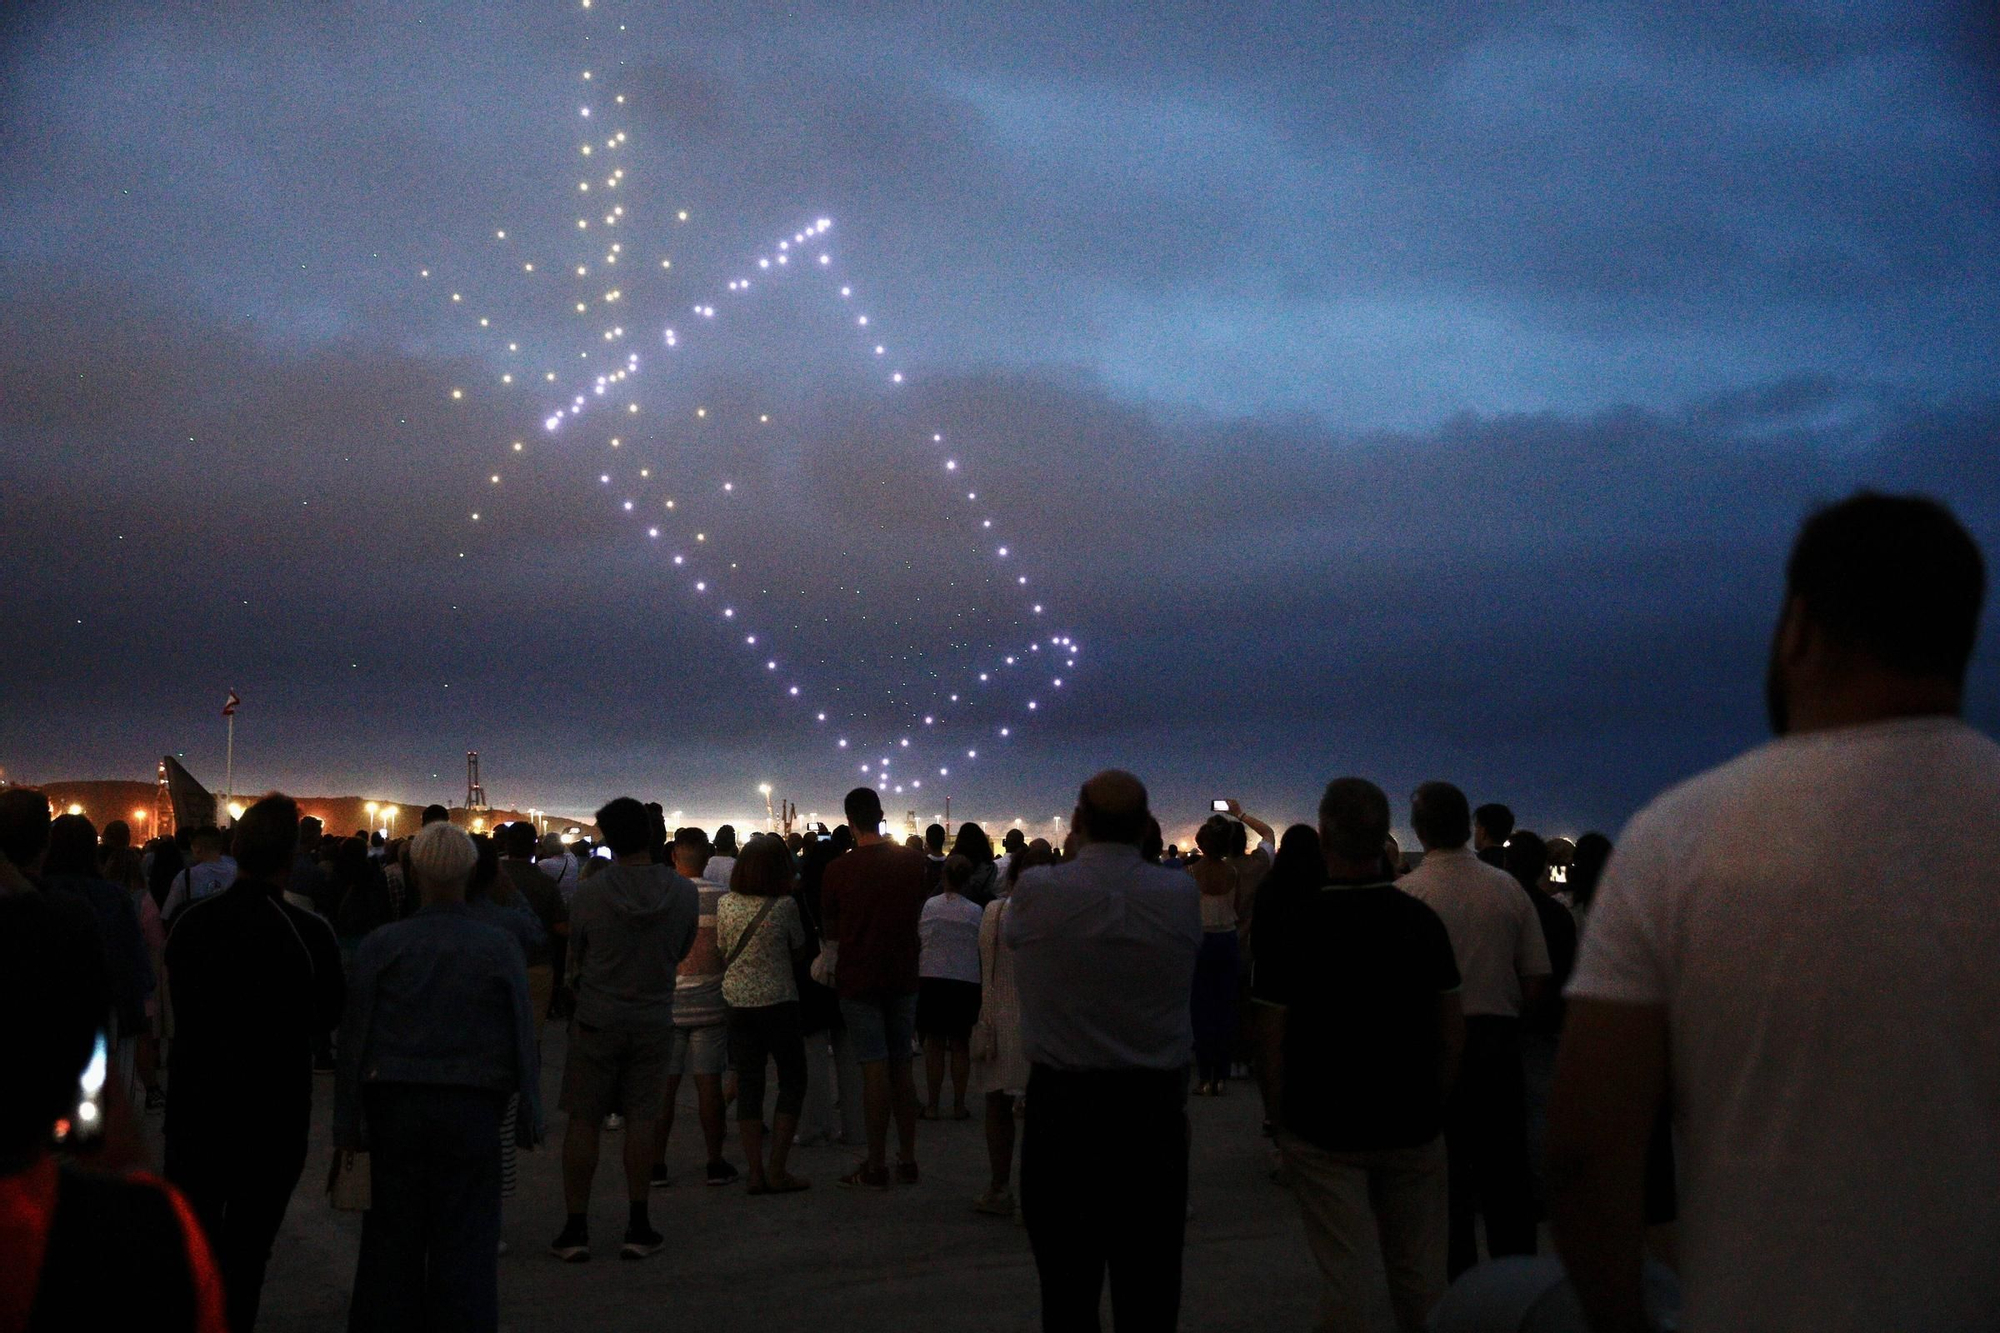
point(871, 900)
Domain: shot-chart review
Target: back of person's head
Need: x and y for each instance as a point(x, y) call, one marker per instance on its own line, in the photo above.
point(117, 835)
point(350, 860)
point(1442, 817)
point(796, 841)
point(267, 837)
point(1527, 858)
point(863, 807)
point(207, 840)
point(72, 847)
point(24, 826)
point(1036, 853)
point(1894, 579)
point(934, 839)
point(691, 851)
point(518, 839)
point(627, 828)
point(485, 867)
point(764, 868)
point(1495, 821)
point(1111, 807)
point(442, 858)
point(1213, 837)
point(1586, 867)
point(311, 830)
point(551, 844)
point(1299, 861)
point(725, 840)
point(972, 844)
point(1353, 821)
point(53, 995)
point(957, 872)
point(1014, 840)
point(436, 814)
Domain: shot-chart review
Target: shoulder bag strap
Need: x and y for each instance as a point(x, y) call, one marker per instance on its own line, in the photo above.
point(743, 940)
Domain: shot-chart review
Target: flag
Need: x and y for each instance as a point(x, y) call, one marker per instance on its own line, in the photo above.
point(229, 708)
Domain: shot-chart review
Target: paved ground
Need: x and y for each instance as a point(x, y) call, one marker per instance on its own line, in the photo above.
point(829, 1259)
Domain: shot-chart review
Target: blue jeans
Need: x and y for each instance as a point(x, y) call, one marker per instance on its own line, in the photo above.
point(881, 1026)
point(430, 1242)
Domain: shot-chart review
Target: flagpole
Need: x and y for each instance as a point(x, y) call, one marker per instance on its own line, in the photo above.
point(229, 764)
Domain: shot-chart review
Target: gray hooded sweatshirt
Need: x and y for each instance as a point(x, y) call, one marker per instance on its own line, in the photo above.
point(630, 926)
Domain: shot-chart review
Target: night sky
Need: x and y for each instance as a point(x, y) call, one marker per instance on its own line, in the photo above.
point(1411, 391)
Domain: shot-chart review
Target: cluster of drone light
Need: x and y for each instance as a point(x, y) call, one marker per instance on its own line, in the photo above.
point(603, 305)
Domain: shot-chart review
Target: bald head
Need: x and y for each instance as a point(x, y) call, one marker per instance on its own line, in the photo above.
point(1112, 808)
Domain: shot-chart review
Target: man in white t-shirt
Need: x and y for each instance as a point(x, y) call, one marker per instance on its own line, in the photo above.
point(1503, 964)
point(1807, 937)
point(210, 870)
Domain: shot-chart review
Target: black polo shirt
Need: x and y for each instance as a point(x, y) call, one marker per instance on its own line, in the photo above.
point(1359, 969)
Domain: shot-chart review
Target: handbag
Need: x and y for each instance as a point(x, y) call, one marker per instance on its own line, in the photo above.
point(350, 1184)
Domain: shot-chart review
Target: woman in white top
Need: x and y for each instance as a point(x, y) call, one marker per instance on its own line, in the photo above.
point(948, 986)
point(1004, 1061)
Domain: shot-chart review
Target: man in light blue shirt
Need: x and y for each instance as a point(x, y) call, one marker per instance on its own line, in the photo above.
point(1104, 951)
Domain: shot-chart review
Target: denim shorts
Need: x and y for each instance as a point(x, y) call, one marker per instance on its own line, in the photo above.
point(702, 1050)
point(880, 1026)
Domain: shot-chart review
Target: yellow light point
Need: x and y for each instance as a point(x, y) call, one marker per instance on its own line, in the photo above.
point(621, 99)
point(579, 307)
point(583, 186)
point(666, 263)
point(586, 74)
point(615, 247)
point(475, 516)
point(454, 296)
point(670, 504)
point(506, 379)
point(614, 442)
point(611, 259)
point(496, 479)
point(701, 411)
point(517, 446)
point(619, 211)
point(701, 536)
point(635, 409)
point(513, 347)
point(611, 183)
point(683, 215)
point(458, 393)
point(483, 321)
point(586, 150)
point(581, 270)
point(645, 472)
point(581, 223)
point(766, 417)
point(550, 376)
point(423, 273)
point(529, 267)
point(501, 234)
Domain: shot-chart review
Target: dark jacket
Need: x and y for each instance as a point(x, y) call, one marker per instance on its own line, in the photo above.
point(257, 982)
point(442, 1000)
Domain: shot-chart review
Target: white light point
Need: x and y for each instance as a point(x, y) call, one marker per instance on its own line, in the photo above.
point(1005, 731)
point(1031, 705)
point(843, 742)
point(1057, 682)
point(729, 613)
point(749, 638)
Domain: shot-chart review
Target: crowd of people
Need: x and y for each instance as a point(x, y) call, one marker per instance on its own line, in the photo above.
point(1747, 1070)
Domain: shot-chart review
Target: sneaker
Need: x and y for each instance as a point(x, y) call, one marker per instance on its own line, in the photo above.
point(661, 1180)
point(572, 1246)
point(995, 1203)
point(721, 1173)
point(641, 1243)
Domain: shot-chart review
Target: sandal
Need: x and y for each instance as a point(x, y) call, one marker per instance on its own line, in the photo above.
point(862, 1178)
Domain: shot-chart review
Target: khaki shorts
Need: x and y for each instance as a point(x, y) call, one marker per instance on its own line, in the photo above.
point(608, 1071)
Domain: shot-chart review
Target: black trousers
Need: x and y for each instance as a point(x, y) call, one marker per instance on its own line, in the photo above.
point(430, 1242)
point(1486, 1144)
point(1104, 1185)
point(770, 1032)
point(239, 1188)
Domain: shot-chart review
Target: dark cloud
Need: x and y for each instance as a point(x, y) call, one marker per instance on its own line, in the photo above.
point(1368, 390)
